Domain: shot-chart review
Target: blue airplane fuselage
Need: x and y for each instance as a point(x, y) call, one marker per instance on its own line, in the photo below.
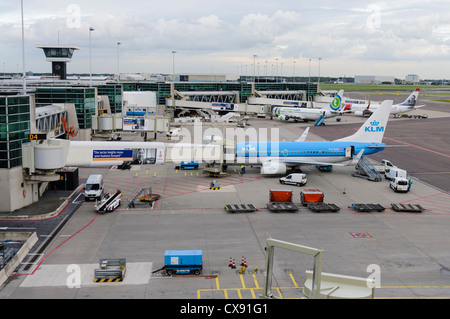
point(287, 150)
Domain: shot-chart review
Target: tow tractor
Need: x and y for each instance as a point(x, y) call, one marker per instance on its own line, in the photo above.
point(109, 202)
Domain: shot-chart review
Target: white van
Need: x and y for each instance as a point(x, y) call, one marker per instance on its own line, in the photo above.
point(297, 179)
point(399, 184)
point(94, 187)
point(392, 173)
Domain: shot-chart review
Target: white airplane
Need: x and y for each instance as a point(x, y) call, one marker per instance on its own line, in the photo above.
point(310, 114)
point(367, 109)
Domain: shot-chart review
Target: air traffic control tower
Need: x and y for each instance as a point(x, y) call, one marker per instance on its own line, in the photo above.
point(59, 55)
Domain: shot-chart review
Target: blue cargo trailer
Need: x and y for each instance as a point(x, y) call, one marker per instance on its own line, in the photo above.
point(183, 261)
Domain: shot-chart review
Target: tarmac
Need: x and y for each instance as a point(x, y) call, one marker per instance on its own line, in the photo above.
point(407, 250)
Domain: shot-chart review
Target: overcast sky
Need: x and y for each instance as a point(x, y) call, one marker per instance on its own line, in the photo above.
point(352, 37)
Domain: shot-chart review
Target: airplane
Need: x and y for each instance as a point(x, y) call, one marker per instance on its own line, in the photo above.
point(366, 109)
point(310, 114)
point(278, 157)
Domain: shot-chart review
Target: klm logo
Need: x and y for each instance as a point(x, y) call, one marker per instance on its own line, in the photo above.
point(374, 127)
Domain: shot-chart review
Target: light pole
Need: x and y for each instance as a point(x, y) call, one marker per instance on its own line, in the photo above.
point(118, 66)
point(23, 52)
point(309, 75)
point(276, 75)
point(90, 56)
point(266, 72)
point(318, 82)
point(173, 66)
point(254, 68)
point(293, 78)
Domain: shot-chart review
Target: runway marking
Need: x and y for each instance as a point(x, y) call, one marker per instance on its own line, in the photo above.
point(296, 289)
point(419, 147)
point(432, 173)
point(58, 275)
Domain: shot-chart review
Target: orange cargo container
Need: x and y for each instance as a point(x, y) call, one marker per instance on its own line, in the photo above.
point(311, 196)
point(284, 196)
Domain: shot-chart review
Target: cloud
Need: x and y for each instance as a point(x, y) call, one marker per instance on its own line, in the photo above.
point(227, 34)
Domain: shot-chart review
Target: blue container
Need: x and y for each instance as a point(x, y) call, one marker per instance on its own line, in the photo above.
point(183, 261)
point(189, 165)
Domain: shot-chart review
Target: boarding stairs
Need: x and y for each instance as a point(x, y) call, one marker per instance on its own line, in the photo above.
point(365, 169)
point(320, 121)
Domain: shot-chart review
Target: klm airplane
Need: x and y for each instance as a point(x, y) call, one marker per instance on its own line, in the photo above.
point(277, 157)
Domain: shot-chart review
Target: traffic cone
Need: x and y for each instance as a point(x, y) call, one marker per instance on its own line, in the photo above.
point(233, 265)
point(230, 264)
point(243, 263)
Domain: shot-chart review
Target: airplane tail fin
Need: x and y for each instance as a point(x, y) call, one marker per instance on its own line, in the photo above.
point(372, 131)
point(412, 99)
point(337, 104)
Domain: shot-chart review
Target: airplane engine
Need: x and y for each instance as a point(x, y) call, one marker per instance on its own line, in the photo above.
point(282, 118)
point(272, 168)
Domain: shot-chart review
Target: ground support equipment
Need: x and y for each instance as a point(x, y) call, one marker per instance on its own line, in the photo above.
point(240, 208)
point(323, 207)
point(407, 208)
point(109, 202)
point(368, 207)
point(365, 169)
point(111, 270)
point(282, 207)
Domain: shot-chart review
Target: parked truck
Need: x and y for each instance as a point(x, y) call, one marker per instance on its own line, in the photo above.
point(183, 262)
point(393, 173)
point(385, 165)
point(94, 187)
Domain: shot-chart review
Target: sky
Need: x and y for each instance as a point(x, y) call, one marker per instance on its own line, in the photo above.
point(288, 37)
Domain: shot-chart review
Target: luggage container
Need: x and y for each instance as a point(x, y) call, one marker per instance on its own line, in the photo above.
point(311, 196)
point(284, 196)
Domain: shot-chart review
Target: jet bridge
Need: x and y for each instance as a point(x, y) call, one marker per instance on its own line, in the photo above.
point(50, 155)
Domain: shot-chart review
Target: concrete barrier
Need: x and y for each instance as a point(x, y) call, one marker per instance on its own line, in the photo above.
point(29, 240)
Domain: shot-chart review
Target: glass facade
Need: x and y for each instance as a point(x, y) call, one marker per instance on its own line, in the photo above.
point(114, 93)
point(162, 89)
point(82, 97)
point(14, 129)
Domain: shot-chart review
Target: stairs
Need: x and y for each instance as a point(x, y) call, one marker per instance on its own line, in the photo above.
point(366, 170)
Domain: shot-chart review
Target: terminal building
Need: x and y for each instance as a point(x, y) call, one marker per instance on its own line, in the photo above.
point(35, 122)
point(374, 79)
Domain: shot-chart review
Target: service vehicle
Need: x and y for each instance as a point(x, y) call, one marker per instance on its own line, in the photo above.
point(399, 184)
point(297, 179)
point(94, 187)
point(385, 165)
point(392, 173)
